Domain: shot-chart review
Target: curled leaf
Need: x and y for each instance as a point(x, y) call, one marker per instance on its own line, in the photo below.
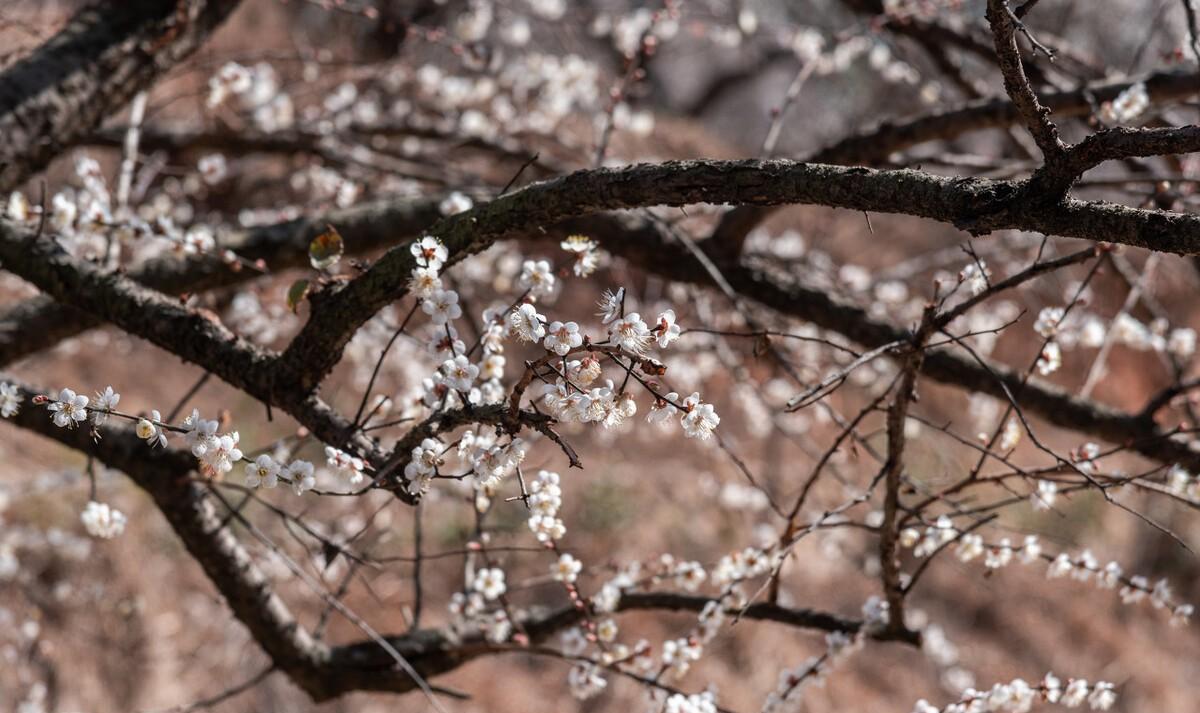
point(296, 294)
point(326, 249)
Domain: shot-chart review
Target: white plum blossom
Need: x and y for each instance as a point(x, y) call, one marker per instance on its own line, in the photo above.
point(301, 475)
point(545, 499)
point(1182, 343)
point(527, 324)
point(1050, 359)
point(491, 464)
point(1110, 576)
point(547, 528)
point(1075, 693)
point(690, 575)
point(105, 401)
point(562, 337)
point(455, 203)
point(970, 546)
point(1045, 496)
point(975, 277)
point(490, 583)
point(422, 465)
point(537, 277)
point(679, 654)
point(1018, 696)
point(212, 168)
point(444, 342)
point(102, 521)
point(1135, 590)
point(999, 556)
point(345, 465)
point(1051, 687)
point(630, 333)
point(18, 207)
point(231, 78)
point(263, 472)
point(10, 400)
point(663, 409)
point(458, 373)
point(1048, 321)
point(63, 212)
point(607, 599)
point(584, 371)
point(150, 431)
point(610, 305)
point(492, 367)
point(566, 569)
point(607, 631)
point(665, 329)
point(442, 306)
point(695, 703)
point(69, 409)
point(548, 9)
point(585, 681)
point(222, 453)
point(700, 419)
point(430, 252)
point(587, 255)
point(200, 433)
point(1102, 696)
point(1010, 436)
point(425, 282)
point(1128, 105)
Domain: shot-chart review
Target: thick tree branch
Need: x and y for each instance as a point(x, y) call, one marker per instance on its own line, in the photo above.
point(973, 204)
point(325, 672)
point(1035, 116)
point(288, 381)
point(88, 71)
point(976, 204)
point(644, 246)
point(875, 145)
point(194, 335)
point(163, 474)
point(1122, 143)
point(40, 323)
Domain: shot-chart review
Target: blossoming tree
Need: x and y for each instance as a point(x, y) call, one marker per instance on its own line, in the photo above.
point(431, 287)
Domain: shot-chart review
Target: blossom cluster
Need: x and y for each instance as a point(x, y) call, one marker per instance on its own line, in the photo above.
point(216, 453)
point(265, 472)
point(839, 645)
point(576, 391)
point(1079, 329)
point(1083, 567)
point(1018, 696)
point(1129, 105)
point(695, 703)
point(545, 499)
point(87, 219)
point(102, 521)
point(10, 400)
point(470, 611)
point(1183, 484)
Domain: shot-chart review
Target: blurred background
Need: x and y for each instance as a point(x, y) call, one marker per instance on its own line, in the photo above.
point(469, 91)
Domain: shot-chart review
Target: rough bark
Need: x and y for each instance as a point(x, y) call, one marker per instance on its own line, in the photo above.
point(322, 671)
point(976, 205)
point(107, 52)
point(40, 323)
